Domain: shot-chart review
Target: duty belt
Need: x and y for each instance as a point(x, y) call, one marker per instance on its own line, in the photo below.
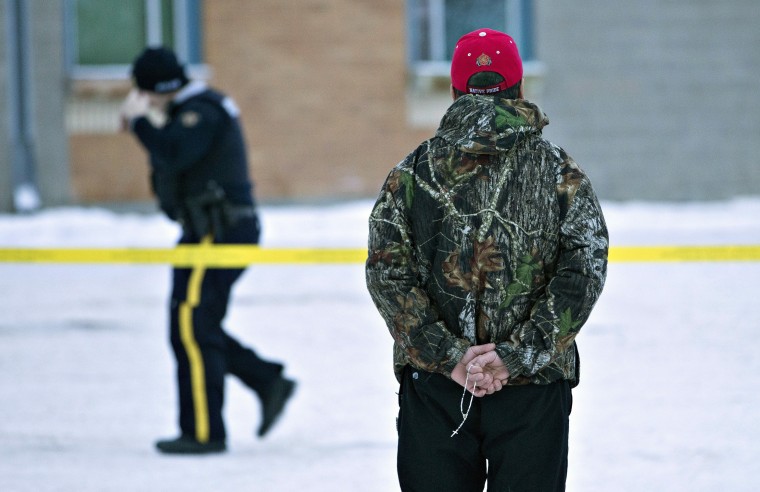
point(238, 212)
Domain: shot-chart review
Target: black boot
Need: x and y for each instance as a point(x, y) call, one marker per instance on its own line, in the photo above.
point(273, 402)
point(187, 445)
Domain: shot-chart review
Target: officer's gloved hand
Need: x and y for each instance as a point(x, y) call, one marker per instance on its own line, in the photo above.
point(135, 105)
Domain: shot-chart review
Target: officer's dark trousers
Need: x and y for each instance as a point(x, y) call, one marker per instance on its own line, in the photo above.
point(204, 351)
point(515, 438)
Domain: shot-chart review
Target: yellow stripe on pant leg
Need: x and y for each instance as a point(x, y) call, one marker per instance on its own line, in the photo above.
point(194, 357)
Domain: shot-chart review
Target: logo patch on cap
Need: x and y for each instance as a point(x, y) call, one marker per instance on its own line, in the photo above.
point(167, 86)
point(483, 60)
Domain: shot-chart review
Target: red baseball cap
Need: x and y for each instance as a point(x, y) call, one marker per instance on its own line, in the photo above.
point(485, 50)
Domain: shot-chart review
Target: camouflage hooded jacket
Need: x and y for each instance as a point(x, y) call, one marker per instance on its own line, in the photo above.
point(487, 233)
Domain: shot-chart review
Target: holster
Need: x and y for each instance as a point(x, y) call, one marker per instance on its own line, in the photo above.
point(203, 214)
point(211, 213)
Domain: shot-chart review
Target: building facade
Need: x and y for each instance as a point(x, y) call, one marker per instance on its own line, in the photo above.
point(657, 101)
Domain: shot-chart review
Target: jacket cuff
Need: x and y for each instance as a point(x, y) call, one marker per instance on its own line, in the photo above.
point(510, 359)
point(133, 123)
point(455, 354)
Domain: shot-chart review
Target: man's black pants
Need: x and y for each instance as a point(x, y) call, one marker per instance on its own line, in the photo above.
point(203, 350)
point(515, 438)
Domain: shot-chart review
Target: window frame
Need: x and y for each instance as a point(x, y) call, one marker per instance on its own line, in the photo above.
point(186, 31)
point(519, 21)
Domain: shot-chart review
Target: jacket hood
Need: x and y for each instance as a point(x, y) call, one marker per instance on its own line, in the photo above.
point(489, 124)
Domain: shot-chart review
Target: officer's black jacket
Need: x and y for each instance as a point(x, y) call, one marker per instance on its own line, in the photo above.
point(201, 142)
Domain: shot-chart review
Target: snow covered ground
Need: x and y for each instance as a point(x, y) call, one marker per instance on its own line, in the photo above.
point(668, 399)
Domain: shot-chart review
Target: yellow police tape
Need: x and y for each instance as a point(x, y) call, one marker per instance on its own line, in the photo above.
point(218, 256)
point(230, 256)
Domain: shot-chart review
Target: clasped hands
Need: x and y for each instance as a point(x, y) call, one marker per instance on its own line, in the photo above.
point(487, 372)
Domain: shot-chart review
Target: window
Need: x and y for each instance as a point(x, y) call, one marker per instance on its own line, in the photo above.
point(434, 26)
point(104, 36)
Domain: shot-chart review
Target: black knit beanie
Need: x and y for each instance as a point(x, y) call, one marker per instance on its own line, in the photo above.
point(157, 70)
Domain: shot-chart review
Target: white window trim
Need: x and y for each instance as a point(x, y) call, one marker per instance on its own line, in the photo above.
point(532, 68)
point(199, 71)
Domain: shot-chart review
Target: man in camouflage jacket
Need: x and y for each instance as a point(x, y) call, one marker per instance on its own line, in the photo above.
point(487, 252)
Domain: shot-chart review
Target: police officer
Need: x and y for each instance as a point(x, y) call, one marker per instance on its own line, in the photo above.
point(199, 174)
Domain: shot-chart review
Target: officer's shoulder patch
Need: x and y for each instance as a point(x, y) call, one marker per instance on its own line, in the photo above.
point(189, 118)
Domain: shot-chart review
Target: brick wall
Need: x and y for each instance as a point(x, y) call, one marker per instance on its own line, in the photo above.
point(322, 86)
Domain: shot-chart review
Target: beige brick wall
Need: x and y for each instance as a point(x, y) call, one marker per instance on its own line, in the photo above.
point(321, 85)
point(108, 168)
